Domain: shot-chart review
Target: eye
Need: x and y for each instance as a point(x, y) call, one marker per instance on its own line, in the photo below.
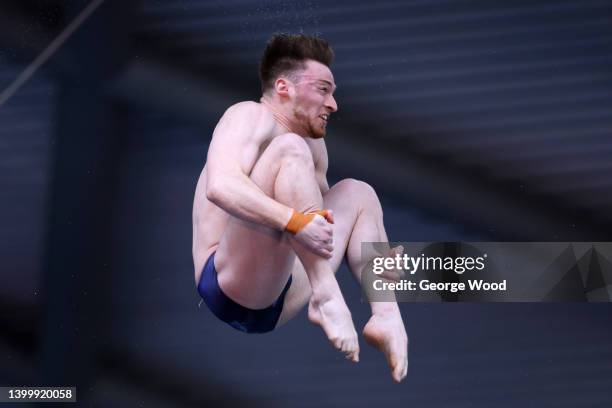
point(324, 88)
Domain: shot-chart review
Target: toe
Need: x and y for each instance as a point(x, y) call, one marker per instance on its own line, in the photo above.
point(355, 354)
point(398, 374)
point(393, 362)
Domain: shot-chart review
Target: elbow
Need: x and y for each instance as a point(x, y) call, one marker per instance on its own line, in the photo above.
point(212, 193)
point(217, 193)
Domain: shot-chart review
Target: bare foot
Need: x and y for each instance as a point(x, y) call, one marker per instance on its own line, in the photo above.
point(386, 332)
point(333, 316)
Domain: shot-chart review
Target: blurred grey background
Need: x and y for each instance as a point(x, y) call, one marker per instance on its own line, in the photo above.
point(473, 120)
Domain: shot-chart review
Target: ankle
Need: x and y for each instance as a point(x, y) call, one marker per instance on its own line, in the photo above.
point(325, 290)
point(384, 308)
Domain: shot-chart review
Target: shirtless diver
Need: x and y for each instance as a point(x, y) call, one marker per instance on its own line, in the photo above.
point(269, 233)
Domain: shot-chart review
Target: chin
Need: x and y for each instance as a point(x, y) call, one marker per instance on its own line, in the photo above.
point(317, 134)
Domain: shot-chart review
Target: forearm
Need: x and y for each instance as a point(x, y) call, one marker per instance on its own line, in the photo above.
point(240, 197)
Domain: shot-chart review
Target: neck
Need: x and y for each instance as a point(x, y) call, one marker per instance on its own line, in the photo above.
point(282, 119)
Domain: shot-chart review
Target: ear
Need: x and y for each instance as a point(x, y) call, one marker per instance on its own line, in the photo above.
point(283, 87)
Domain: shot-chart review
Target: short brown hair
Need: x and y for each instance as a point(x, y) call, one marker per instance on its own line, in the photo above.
point(287, 53)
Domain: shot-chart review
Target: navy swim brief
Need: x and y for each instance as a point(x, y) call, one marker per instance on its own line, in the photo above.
point(232, 313)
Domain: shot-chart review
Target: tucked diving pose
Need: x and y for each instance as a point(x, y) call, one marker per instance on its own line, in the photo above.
point(269, 233)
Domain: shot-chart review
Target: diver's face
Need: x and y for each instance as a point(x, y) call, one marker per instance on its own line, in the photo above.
point(314, 100)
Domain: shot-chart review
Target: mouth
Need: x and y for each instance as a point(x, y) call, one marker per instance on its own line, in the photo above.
point(325, 117)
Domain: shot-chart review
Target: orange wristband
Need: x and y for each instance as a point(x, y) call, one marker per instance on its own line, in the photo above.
point(299, 220)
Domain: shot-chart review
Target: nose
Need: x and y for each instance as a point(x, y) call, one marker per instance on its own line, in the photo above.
point(331, 104)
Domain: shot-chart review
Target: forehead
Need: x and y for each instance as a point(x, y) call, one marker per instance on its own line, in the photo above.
point(318, 71)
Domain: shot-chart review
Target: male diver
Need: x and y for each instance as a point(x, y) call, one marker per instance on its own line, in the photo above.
point(268, 231)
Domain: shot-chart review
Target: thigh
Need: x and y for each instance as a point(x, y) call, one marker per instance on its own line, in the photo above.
point(254, 262)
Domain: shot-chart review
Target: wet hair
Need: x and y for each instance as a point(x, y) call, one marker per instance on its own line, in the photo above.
point(285, 54)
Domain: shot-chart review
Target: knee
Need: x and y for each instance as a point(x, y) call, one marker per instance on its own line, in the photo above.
point(359, 191)
point(290, 145)
point(355, 187)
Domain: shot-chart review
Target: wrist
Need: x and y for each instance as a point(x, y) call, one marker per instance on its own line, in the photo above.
point(287, 218)
point(297, 221)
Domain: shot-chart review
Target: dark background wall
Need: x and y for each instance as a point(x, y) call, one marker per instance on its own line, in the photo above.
point(474, 121)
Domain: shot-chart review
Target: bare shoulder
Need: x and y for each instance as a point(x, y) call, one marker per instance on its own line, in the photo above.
point(243, 108)
point(239, 136)
point(252, 114)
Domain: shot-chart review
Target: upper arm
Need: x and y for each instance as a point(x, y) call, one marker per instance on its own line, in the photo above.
point(236, 141)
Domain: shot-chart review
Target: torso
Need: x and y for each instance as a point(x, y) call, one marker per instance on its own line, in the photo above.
point(209, 221)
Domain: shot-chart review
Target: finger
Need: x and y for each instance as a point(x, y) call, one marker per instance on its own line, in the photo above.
point(327, 214)
point(398, 250)
point(325, 253)
point(392, 276)
point(321, 252)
